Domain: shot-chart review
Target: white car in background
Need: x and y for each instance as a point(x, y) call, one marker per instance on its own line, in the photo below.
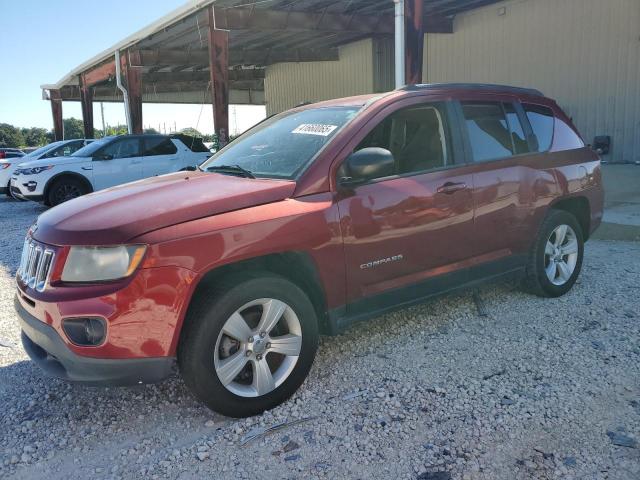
point(105, 163)
point(63, 148)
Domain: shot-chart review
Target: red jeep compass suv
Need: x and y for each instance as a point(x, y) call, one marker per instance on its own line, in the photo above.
point(314, 219)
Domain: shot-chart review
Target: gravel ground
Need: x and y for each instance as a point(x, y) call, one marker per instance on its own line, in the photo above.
point(536, 388)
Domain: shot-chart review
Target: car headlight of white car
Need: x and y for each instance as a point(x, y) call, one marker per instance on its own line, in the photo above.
point(34, 170)
point(99, 264)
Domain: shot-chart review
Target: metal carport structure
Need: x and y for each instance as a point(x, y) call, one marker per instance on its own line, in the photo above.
point(210, 51)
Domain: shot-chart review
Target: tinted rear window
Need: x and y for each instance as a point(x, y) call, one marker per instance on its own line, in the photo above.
point(488, 129)
point(541, 120)
point(158, 146)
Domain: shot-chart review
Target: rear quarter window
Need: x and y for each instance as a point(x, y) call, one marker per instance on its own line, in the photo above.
point(542, 123)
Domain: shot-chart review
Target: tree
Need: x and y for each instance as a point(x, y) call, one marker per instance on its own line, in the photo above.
point(151, 131)
point(73, 128)
point(11, 136)
point(192, 132)
point(35, 137)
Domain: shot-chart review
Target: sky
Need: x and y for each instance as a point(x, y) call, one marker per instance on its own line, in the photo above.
point(43, 40)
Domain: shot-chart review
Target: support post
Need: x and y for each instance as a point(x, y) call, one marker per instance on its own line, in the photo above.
point(399, 43)
point(86, 100)
point(133, 76)
point(414, 43)
point(219, 71)
point(56, 112)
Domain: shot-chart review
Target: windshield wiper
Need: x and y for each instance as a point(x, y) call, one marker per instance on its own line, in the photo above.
point(231, 170)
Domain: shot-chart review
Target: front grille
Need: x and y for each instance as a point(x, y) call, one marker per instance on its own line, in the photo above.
point(35, 265)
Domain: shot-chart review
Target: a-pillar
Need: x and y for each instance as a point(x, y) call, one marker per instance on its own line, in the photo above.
point(414, 41)
point(219, 71)
point(56, 112)
point(86, 100)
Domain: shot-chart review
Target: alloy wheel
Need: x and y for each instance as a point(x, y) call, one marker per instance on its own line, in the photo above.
point(258, 347)
point(67, 192)
point(561, 254)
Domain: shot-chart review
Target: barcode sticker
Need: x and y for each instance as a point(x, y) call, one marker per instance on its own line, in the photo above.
point(315, 129)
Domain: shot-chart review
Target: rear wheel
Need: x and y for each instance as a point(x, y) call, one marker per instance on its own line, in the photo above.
point(556, 257)
point(248, 345)
point(65, 189)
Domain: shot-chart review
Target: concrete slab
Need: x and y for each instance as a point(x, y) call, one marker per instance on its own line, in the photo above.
point(622, 203)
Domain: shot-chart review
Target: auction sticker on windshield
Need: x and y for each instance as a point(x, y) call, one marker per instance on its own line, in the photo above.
point(315, 129)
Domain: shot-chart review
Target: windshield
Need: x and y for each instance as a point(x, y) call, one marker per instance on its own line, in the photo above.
point(42, 150)
point(283, 145)
point(93, 147)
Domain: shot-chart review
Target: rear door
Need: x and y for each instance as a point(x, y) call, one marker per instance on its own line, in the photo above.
point(508, 185)
point(160, 156)
point(413, 225)
point(117, 163)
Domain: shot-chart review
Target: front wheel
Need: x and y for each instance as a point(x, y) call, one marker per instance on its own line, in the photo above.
point(556, 257)
point(248, 345)
point(65, 189)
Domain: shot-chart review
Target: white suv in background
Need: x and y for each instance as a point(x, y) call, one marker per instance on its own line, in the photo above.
point(63, 148)
point(105, 163)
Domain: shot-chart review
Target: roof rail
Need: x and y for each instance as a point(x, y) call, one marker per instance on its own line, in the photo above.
point(473, 86)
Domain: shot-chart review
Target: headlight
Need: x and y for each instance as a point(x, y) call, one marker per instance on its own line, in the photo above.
point(34, 170)
point(98, 264)
point(4, 165)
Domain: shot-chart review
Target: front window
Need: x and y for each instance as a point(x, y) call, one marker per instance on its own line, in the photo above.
point(93, 147)
point(282, 146)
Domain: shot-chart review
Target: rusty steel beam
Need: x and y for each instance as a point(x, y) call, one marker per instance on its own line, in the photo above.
point(219, 71)
point(202, 76)
point(414, 41)
point(56, 112)
point(169, 57)
point(101, 73)
point(248, 18)
point(133, 77)
point(86, 101)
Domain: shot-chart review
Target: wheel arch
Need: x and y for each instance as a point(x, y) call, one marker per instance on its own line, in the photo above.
point(297, 267)
point(580, 208)
point(87, 183)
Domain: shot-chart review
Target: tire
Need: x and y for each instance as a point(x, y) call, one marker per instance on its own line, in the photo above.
point(65, 189)
point(548, 260)
point(205, 352)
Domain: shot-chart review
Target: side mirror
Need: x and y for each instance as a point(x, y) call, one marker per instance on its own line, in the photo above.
point(367, 164)
point(104, 156)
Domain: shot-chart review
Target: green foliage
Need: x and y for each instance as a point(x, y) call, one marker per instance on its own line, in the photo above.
point(113, 130)
point(150, 131)
point(11, 136)
point(73, 128)
point(35, 137)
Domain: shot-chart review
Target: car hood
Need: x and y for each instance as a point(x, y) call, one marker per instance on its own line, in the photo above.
point(119, 214)
point(57, 161)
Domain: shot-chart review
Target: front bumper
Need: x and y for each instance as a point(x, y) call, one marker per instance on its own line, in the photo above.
point(21, 190)
point(45, 347)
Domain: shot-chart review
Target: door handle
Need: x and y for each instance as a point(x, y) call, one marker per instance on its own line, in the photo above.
point(451, 187)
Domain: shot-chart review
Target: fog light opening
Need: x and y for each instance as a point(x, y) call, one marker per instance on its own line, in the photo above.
point(85, 332)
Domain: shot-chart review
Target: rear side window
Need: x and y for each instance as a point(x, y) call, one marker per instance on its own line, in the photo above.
point(488, 129)
point(542, 121)
point(158, 146)
point(123, 148)
point(520, 144)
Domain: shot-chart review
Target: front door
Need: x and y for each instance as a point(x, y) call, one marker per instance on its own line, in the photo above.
point(416, 224)
point(117, 163)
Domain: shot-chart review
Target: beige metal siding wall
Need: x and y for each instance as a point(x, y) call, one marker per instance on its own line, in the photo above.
point(583, 53)
point(289, 84)
point(383, 67)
